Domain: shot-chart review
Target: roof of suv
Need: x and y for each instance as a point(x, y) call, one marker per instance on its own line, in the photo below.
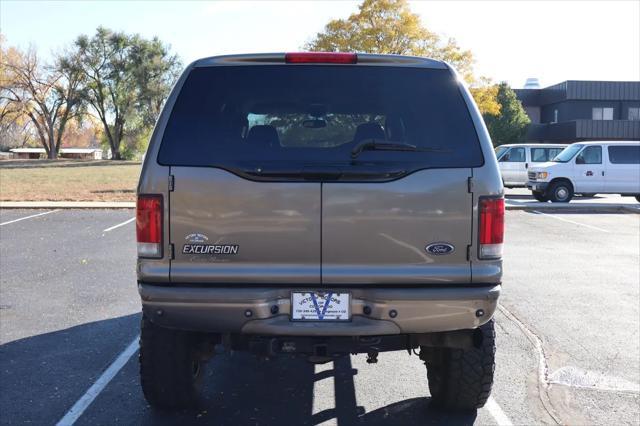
point(279, 58)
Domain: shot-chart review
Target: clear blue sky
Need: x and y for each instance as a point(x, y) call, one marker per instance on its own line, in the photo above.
point(551, 40)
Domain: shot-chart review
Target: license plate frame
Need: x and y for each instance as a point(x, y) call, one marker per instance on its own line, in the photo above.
point(310, 306)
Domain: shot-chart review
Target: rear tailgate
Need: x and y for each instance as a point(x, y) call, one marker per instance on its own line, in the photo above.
point(329, 174)
point(378, 233)
point(226, 229)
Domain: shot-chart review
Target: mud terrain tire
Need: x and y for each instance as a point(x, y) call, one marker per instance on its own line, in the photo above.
point(170, 369)
point(461, 380)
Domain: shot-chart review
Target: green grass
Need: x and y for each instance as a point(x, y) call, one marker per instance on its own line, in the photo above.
point(68, 180)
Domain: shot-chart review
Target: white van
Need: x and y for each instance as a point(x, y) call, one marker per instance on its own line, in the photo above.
point(514, 160)
point(588, 168)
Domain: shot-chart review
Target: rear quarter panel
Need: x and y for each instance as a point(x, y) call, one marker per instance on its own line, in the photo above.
point(154, 179)
point(486, 182)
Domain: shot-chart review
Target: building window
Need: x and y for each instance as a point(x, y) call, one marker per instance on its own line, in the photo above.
point(555, 116)
point(634, 114)
point(602, 113)
point(607, 113)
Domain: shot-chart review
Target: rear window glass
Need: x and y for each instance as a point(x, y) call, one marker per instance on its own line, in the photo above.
point(629, 154)
point(255, 117)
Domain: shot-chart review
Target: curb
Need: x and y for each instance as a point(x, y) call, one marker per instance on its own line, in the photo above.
point(576, 208)
point(67, 205)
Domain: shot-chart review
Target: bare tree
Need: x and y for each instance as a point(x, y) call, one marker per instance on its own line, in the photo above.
point(16, 131)
point(14, 125)
point(48, 95)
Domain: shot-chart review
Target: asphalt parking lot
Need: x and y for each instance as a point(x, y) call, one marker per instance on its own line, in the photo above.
point(568, 335)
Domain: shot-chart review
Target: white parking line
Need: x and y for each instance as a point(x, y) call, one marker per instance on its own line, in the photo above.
point(29, 217)
point(496, 412)
point(83, 403)
point(119, 225)
point(570, 221)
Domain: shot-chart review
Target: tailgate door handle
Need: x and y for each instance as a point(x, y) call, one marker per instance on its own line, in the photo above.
point(320, 173)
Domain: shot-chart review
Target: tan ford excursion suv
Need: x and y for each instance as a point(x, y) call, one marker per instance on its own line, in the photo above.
point(319, 205)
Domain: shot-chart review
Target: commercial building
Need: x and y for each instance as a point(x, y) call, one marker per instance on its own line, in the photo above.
point(574, 111)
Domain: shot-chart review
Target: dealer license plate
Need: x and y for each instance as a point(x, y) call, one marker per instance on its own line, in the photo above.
point(320, 306)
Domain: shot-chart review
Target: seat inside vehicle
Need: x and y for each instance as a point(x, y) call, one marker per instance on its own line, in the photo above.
point(263, 135)
point(371, 130)
point(394, 128)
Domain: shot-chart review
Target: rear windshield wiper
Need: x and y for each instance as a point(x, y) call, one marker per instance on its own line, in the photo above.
point(384, 145)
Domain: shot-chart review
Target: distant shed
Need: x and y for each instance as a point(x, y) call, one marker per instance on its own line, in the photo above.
point(74, 153)
point(27, 153)
point(81, 153)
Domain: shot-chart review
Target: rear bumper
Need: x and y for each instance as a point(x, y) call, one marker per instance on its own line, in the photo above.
point(225, 310)
point(537, 186)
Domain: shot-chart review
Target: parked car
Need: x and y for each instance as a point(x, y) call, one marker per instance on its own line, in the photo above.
point(515, 159)
point(588, 168)
point(319, 205)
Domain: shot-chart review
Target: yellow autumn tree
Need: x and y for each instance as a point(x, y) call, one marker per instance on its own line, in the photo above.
point(390, 27)
point(485, 93)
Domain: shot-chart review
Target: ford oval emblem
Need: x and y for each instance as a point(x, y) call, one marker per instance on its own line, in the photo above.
point(440, 249)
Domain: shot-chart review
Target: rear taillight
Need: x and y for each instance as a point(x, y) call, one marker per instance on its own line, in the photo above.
point(320, 58)
point(149, 225)
point(491, 228)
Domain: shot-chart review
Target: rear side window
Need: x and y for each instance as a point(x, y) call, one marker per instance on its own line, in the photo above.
point(273, 117)
point(629, 154)
point(540, 155)
point(553, 152)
